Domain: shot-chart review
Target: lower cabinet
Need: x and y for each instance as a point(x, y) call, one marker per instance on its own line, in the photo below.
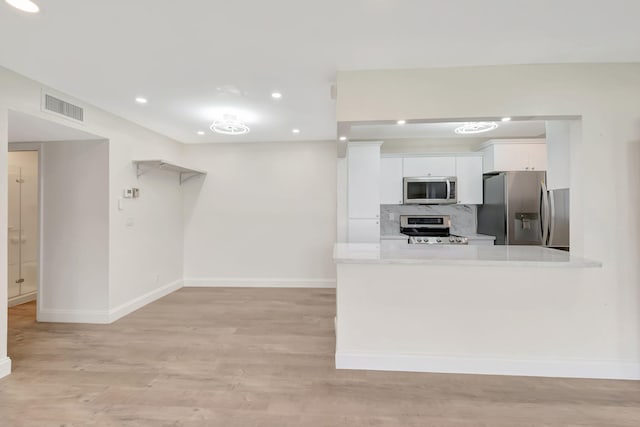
point(364, 231)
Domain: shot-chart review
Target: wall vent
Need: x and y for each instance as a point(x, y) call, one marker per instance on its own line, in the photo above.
point(64, 108)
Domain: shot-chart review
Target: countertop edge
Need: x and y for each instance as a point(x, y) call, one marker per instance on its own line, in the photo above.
point(474, 263)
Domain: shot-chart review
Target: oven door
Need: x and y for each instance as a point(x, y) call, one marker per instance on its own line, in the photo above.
point(430, 190)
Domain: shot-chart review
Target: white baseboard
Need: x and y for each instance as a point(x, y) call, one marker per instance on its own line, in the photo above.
point(5, 367)
point(532, 368)
point(73, 316)
point(22, 299)
point(242, 282)
point(139, 302)
point(107, 316)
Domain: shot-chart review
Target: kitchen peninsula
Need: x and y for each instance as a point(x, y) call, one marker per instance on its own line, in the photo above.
point(440, 309)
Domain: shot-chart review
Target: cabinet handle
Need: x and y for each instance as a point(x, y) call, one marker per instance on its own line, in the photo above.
point(377, 222)
point(533, 169)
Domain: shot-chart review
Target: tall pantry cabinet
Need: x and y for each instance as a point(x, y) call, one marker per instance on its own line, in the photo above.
point(363, 160)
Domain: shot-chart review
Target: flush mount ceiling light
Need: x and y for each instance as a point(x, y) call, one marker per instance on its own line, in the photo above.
point(230, 125)
point(24, 5)
point(200, 132)
point(343, 138)
point(141, 100)
point(276, 95)
point(401, 122)
point(470, 128)
point(506, 119)
point(295, 130)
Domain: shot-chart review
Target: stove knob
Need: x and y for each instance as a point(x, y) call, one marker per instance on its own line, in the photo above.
point(439, 240)
point(459, 240)
point(452, 239)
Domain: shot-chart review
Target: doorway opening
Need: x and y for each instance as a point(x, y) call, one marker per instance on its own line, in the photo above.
point(23, 228)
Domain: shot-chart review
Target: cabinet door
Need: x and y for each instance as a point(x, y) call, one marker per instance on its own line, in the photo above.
point(391, 191)
point(510, 157)
point(364, 231)
point(429, 166)
point(364, 181)
point(537, 157)
point(469, 173)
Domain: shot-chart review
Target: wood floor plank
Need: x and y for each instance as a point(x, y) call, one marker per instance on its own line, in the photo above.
point(262, 357)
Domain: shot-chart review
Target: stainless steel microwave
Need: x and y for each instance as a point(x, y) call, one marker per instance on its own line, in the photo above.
point(430, 190)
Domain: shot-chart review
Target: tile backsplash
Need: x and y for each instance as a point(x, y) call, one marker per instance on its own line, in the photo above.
point(463, 217)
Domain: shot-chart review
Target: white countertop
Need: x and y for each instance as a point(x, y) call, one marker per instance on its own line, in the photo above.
point(396, 252)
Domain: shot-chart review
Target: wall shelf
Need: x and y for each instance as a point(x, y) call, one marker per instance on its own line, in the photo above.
point(184, 173)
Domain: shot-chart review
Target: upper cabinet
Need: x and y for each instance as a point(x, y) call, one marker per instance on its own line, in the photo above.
point(429, 166)
point(469, 173)
point(467, 169)
point(391, 181)
point(515, 155)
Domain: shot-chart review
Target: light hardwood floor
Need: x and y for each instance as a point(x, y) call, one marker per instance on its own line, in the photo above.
point(261, 357)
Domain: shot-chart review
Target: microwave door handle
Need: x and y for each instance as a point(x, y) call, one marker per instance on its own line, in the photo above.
point(448, 189)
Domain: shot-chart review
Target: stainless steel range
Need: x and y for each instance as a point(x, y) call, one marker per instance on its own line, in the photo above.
point(430, 230)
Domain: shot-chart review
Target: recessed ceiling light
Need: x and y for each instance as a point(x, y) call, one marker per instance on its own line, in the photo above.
point(24, 5)
point(200, 132)
point(506, 119)
point(401, 122)
point(141, 100)
point(295, 130)
point(343, 138)
point(475, 127)
point(276, 95)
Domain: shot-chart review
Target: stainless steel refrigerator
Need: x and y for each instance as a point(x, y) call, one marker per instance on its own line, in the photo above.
point(519, 210)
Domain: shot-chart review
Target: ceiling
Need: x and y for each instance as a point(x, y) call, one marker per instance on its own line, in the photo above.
point(26, 128)
point(512, 129)
point(195, 59)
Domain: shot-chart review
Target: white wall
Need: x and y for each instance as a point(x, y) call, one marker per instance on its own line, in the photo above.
point(264, 214)
point(145, 260)
point(604, 174)
point(75, 230)
point(558, 153)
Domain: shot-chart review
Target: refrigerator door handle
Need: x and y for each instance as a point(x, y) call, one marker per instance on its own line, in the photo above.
point(552, 217)
point(544, 213)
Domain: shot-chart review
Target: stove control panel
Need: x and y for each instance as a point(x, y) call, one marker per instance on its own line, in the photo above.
point(451, 240)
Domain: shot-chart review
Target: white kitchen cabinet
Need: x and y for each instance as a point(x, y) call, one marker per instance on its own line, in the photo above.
point(515, 155)
point(364, 180)
point(429, 166)
point(391, 190)
point(469, 184)
point(364, 231)
point(363, 192)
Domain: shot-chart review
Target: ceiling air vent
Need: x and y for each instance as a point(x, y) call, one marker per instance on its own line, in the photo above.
point(64, 108)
